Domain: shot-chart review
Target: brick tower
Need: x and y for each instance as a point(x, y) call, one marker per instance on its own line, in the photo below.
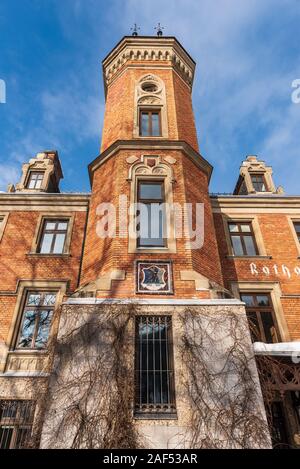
point(153, 352)
point(150, 149)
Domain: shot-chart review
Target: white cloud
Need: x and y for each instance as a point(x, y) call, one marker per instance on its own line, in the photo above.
point(9, 173)
point(243, 78)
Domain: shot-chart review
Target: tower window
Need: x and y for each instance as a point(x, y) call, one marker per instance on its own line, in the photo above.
point(35, 180)
point(53, 237)
point(150, 123)
point(16, 419)
point(242, 239)
point(151, 225)
point(261, 317)
point(154, 372)
point(36, 320)
point(258, 182)
point(297, 229)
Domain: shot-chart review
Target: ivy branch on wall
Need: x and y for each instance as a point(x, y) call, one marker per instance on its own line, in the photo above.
point(220, 382)
point(92, 384)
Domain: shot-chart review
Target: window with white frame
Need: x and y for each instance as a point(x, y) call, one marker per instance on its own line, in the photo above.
point(53, 236)
point(35, 180)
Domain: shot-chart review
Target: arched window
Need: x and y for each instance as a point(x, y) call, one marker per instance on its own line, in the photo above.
point(150, 116)
point(151, 223)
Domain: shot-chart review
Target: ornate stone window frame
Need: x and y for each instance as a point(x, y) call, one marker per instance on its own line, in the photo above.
point(273, 288)
point(3, 222)
point(150, 101)
point(140, 171)
point(252, 167)
point(37, 358)
point(231, 218)
point(291, 221)
point(68, 216)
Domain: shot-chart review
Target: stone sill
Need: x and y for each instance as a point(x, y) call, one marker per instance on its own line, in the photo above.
point(151, 137)
point(28, 352)
point(247, 257)
point(155, 416)
point(24, 374)
point(37, 254)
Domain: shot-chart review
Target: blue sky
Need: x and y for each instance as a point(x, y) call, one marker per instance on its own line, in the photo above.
point(247, 55)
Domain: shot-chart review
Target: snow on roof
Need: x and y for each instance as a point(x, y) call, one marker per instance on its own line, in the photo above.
point(282, 348)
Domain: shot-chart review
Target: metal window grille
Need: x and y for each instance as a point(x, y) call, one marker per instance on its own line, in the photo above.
point(154, 369)
point(16, 420)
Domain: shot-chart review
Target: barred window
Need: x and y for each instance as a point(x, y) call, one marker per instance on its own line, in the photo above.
point(154, 369)
point(16, 419)
point(36, 320)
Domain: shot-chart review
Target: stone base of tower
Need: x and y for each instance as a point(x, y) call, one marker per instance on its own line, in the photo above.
point(92, 398)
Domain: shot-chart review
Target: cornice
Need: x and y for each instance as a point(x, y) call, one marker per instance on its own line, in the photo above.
point(23, 200)
point(272, 201)
point(171, 145)
point(141, 49)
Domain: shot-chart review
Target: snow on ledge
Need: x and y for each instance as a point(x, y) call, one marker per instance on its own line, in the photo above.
point(154, 301)
point(282, 348)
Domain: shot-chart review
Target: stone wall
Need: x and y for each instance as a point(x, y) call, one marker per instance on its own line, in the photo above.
point(218, 398)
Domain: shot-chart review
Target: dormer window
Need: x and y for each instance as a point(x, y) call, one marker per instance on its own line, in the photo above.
point(258, 182)
point(297, 229)
point(35, 180)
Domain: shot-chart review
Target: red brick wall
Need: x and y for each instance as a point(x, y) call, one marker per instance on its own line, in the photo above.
point(280, 244)
point(16, 264)
point(119, 110)
point(104, 255)
point(184, 112)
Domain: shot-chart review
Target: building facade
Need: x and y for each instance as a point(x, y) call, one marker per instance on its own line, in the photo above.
point(149, 312)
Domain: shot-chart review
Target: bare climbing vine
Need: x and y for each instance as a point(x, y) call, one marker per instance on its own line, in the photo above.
point(220, 382)
point(92, 384)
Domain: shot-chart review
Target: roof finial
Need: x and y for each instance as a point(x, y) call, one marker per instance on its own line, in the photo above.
point(135, 30)
point(159, 29)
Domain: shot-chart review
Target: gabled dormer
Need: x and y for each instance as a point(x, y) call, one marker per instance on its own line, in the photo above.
point(256, 178)
point(41, 174)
